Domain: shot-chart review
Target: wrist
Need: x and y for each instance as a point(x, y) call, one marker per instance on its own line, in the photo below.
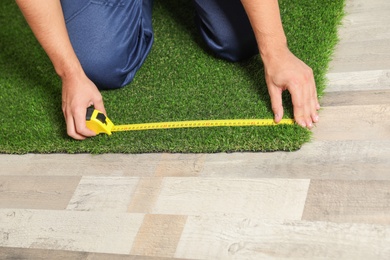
point(272, 49)
point(69, 70)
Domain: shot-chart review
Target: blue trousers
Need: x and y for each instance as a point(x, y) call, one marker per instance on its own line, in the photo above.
point(112, 38)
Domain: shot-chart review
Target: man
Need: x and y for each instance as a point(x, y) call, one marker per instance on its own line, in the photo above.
point(102, 43)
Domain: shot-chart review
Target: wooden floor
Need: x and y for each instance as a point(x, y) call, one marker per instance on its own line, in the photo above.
point(329, 200)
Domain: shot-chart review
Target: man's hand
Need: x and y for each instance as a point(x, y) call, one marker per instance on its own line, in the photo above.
point(46, 20)
point(78, 93)
point(283, 71)
point(287, 72)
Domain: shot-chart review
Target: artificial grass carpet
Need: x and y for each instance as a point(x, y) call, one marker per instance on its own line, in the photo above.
point(180, 80)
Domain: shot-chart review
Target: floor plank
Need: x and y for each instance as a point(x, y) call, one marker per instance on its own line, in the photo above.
point(358, 80)
point(355, 98)
point(159, 235)
point(180, 165)
point(111, 194)
point(145, 195)
point(356, 56)
point(79, 164)
point(348, 201)
point(37, 192)
point(348, 160)
point(263, 198)
point(370, 122)
point(251, 238)
point(328, 200)
point(8, 253)
point(362, 6)
point(69, 230)
point(359, 26)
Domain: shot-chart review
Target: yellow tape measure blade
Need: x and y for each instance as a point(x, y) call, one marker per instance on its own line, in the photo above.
point(99, 123)
point(199, 123)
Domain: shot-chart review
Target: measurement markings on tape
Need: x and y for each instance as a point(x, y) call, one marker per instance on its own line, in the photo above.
point(99, 123)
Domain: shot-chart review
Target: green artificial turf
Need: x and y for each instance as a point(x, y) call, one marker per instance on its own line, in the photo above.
point(180, 80)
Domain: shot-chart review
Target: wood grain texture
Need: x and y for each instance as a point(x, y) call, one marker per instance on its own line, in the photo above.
point(363, 6)
point(111, 194)
point(329, 200)
point(356, 56)
point(370, 122)
point(348, 160)
point(37, 192)
point(348, 201)
point(264, 198)
point(367, 80)
point(251, 238)
point(159, 235)
point(7, 253)
point(180, 165)
point(79, 164)
point(355, 98)
point(359, 25)
point(364, 38)
point(69, 230)
point(145, 195)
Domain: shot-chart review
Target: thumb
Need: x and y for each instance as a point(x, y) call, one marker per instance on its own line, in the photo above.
point(275, 94)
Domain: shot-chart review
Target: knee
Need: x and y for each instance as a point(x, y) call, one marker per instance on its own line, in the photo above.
point(230, 44)
point(104, 74)
point(230, 48)
point(112, 68)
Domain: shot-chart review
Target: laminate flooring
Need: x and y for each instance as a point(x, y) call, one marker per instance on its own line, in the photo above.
point(330, 199)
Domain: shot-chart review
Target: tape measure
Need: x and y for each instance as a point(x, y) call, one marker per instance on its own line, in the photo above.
point(99, 123)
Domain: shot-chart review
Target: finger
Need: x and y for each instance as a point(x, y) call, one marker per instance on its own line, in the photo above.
point(315, 102)
point(299, 101)
point(309, 113)
point(299, 116)
point(315, 118)
point(80, 124)
point(315, 96)
point(305, 119)
point(275, 94)
point(302, 114)
point(70, 128)
point(314, 114)
point(305, 104)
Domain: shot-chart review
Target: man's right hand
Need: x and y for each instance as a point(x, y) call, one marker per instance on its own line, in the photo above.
point(47, 21)
point(79, 93)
